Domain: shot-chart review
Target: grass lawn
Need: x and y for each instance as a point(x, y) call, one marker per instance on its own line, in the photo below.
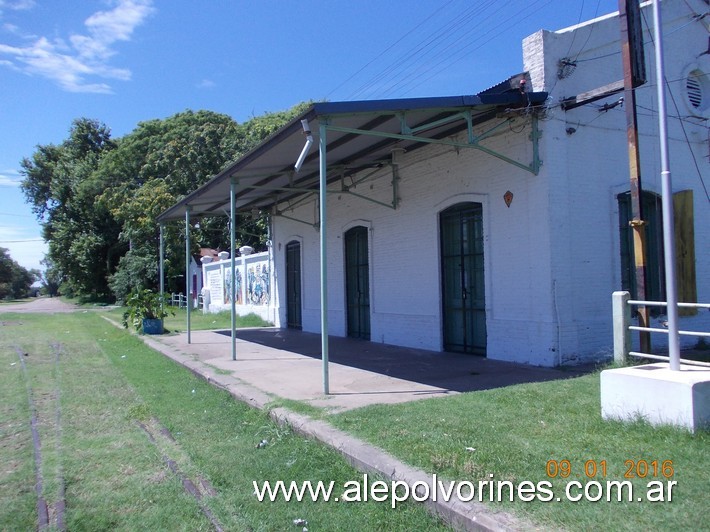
point(102, 398)
point(515, 431)
point(10, 301)
point(199, 321)
point(115, 477)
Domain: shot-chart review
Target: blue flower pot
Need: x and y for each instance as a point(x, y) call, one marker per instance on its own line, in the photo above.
point(152, 326)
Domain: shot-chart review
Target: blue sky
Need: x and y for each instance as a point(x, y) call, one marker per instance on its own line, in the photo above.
point(126, 61)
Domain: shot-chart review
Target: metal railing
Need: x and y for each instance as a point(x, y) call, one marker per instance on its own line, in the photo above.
point(180, 300)
point(622, 304)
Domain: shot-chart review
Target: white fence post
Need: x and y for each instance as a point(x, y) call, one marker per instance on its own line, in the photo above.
point(621, 314)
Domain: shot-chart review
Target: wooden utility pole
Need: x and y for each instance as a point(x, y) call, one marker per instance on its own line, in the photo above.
point(634, 76)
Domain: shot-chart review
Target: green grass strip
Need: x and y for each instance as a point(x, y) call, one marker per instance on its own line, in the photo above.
point(115, 477)
point(513, 432)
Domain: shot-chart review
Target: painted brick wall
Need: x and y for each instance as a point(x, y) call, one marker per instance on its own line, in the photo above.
point(586, 160)
point(552, 257)
point(404, 248)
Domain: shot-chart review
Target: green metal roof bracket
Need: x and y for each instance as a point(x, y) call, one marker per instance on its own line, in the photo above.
point(532, 168)
point(314, 225)
point(403, 127)
point(487, 133)
point(465, 115)
point(302, 199)
point(535, 135)
point(469, 127)
point(377, 202)
point(365, 177)
point(395, 176)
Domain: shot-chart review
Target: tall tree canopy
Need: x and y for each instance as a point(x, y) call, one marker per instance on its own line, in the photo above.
point(59, 186)
point(15, 281)
point(98, 198)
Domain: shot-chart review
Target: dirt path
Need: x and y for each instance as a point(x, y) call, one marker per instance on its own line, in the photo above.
point(41, 304)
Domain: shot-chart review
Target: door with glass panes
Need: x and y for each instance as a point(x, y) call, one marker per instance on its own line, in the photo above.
point(462, 282)
point(293, 285)
point(357, 283)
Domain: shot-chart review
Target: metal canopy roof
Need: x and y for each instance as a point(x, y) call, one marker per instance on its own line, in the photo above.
point(360, 135)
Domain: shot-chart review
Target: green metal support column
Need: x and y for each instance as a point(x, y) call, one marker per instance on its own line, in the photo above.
point(323, 259)
point(232, 262)
point(535, 138)
point(187, 271)
point(161, 253)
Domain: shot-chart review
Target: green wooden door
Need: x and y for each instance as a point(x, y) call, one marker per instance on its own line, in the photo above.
point(463, 287)
point(293, 285)
point(357, 283)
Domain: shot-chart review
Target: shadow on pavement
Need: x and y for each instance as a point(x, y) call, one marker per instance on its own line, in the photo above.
point(451, 371)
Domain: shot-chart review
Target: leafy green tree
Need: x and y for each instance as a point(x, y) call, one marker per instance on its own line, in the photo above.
point(159, 163)
point(153, 167)
point(15, 281)
point(98, 199)
point(51, 279)
point(60, 186)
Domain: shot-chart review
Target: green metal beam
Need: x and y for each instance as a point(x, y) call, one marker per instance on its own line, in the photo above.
point(442, 121)
point(535, 135)
point(377, 202)
point(529, 168)
point(312, 224)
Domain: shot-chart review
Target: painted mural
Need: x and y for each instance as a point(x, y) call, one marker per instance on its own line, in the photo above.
point(228, 286)
point(216, 286)
point(258, 284)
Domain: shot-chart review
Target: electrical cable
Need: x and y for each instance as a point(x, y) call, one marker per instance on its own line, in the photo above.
point(442, 65)
point(402, 61)
point(682, 125)
point(383, 52)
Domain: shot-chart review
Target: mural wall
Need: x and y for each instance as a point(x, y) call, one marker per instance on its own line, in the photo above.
point(252, 288)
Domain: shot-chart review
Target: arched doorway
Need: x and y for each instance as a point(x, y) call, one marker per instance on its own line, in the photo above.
point(293, 285)
point(462, 278)
point(357, 283)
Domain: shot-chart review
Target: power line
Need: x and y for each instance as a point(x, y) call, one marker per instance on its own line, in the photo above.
point(682, 125)
point(383, 52)
point(446, 63)
point(398, 65)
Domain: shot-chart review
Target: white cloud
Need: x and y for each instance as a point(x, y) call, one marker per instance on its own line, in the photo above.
point(9, 178)
point(206, 84)
point(16, 5)
point(87, 55)
point(25, 246)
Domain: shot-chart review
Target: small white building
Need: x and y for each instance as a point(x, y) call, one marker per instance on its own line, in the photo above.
point(494, 224)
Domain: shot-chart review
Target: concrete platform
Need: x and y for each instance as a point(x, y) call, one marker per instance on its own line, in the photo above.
point(273, 363)
point(657, 394)
point(287, 364)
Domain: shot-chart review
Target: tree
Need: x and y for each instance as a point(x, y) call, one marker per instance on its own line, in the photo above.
point(152, 168)
point(98, 199)
point(15, 281)
point(60, 185)
point(51, 279)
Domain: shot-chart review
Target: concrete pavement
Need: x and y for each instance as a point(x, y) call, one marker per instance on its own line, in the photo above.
point(273, 363)
point(286, 363)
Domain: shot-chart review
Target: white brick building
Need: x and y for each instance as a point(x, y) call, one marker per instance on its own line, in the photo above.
point(522, 193)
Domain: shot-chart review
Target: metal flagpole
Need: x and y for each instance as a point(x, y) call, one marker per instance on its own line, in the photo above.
point(667, 198)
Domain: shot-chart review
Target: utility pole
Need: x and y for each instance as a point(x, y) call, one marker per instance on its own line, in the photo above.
point(634, 76)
